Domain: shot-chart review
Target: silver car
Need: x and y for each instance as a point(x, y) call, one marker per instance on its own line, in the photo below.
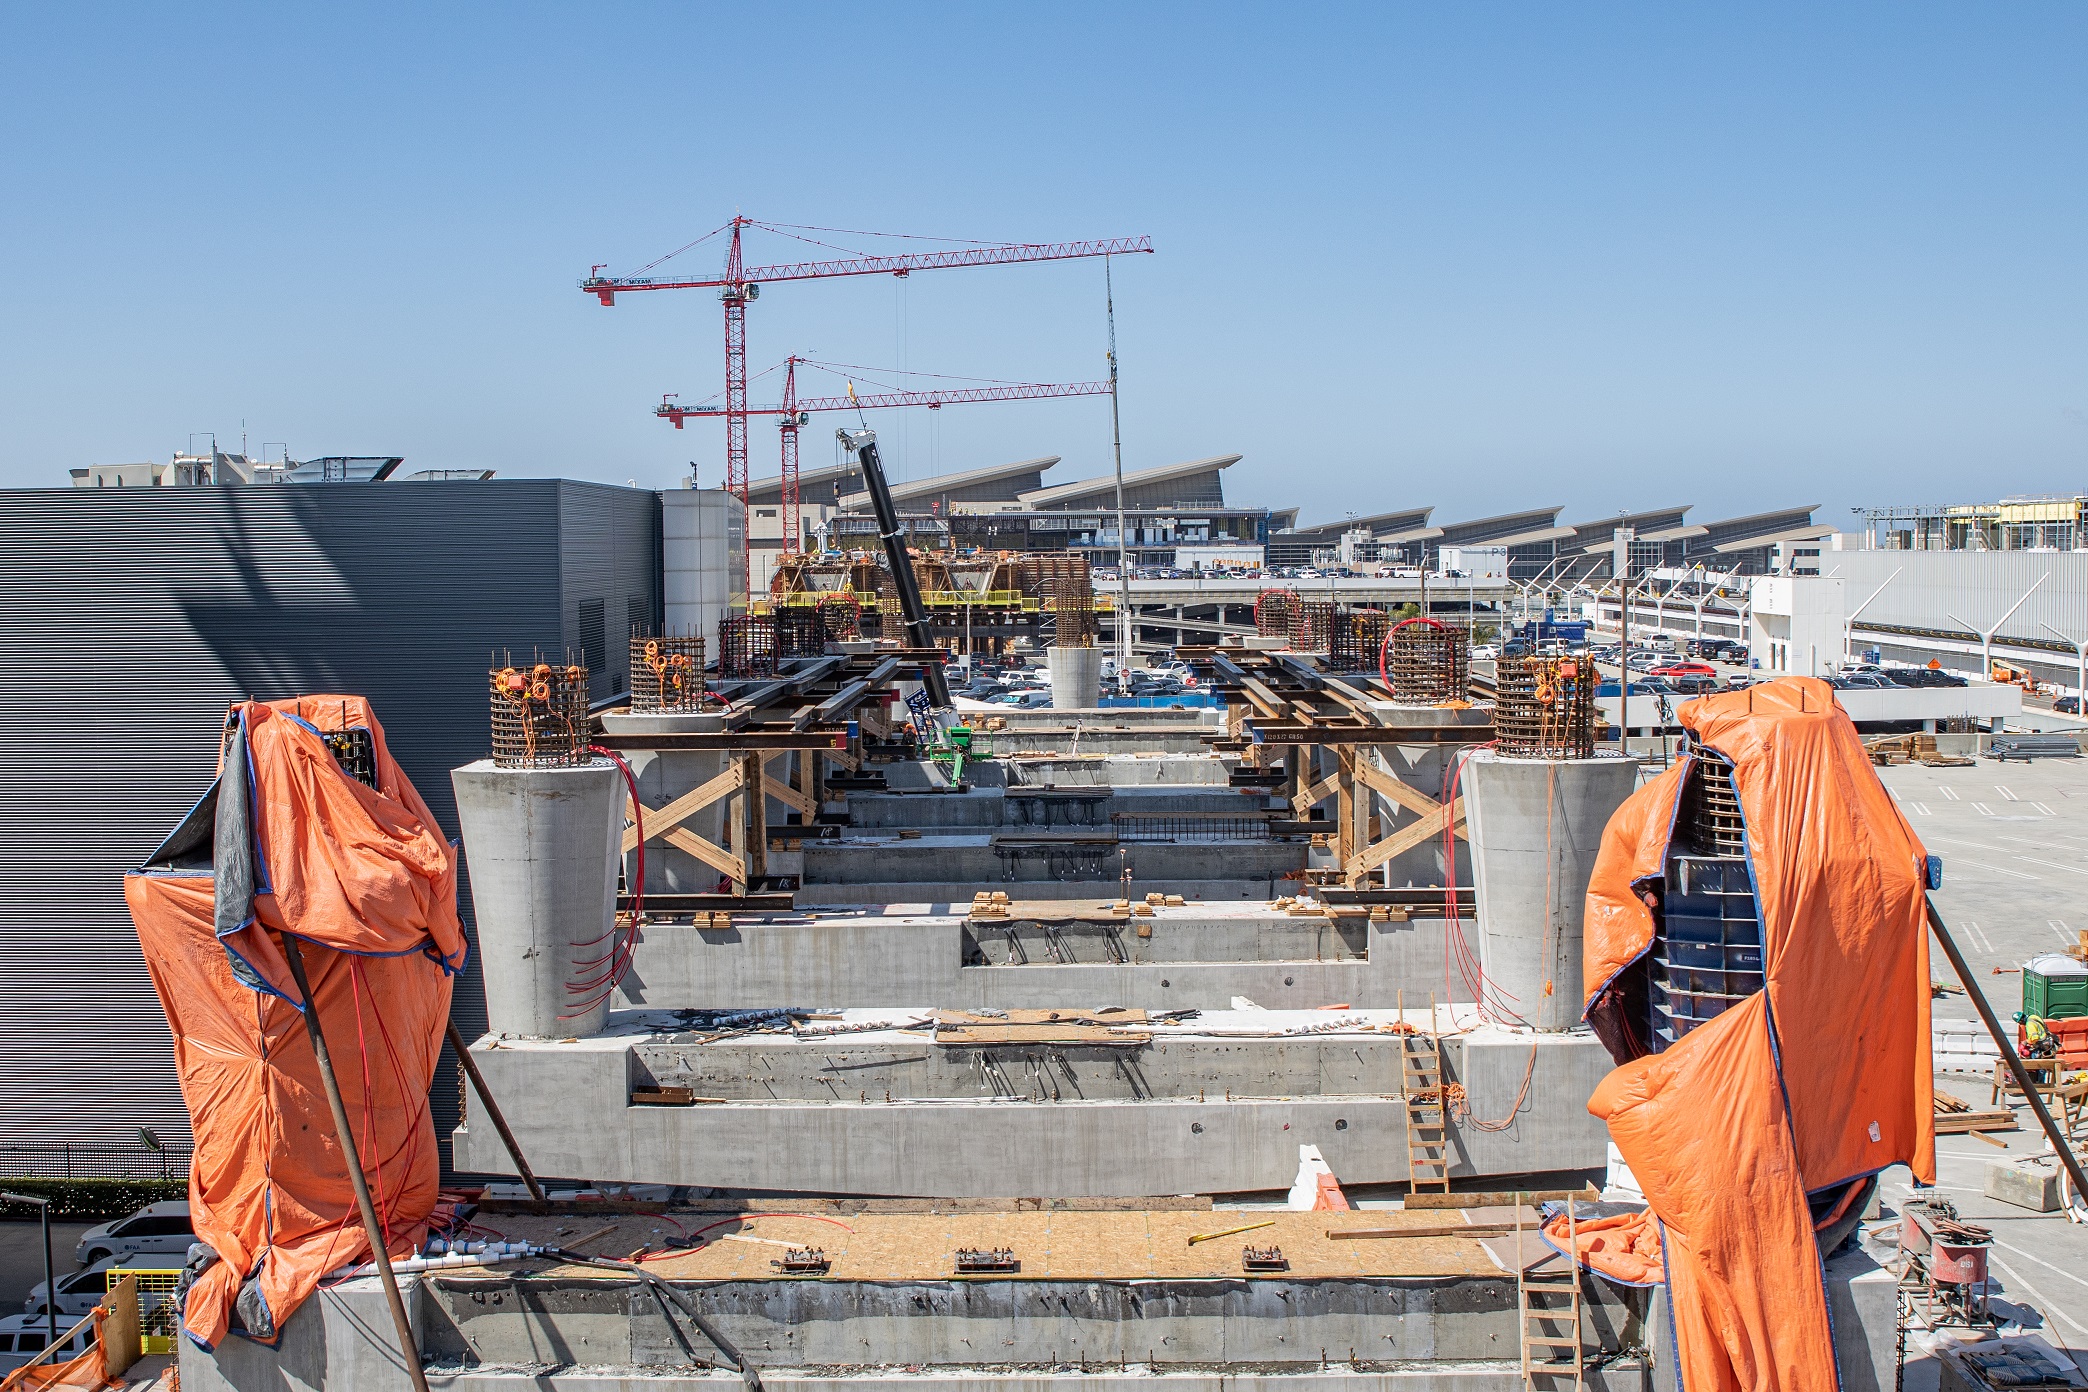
point(77, 1293)
point(22, 1337)
point(160, 1229)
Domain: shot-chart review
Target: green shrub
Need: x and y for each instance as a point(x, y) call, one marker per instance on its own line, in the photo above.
point(95, 1200)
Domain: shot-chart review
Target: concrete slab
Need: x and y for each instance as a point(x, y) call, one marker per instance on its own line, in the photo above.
point(1118, 1122)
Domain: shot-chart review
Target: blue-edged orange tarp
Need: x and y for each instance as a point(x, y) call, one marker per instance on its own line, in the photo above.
point(1741, 1132)
point(287, 842)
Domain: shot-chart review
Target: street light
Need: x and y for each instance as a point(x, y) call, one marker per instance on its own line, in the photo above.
point(43, 1207)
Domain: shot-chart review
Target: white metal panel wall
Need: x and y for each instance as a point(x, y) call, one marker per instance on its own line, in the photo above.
point(1977, 586)
point(131, 618)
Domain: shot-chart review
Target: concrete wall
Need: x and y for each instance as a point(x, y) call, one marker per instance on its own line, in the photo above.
point(1194, 958)
point(703, 540)
point(568, 1105)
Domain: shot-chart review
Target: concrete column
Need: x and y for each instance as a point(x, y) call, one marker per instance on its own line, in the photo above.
point(1425, 768)
point(541, 846)
point(1076, 677)
point(663, 776)
point(1535, 826)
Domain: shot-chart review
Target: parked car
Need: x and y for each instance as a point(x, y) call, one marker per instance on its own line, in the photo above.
point(1026, 700)
point(77, 1293)
point(1693, 684)
point(1686, 669)
point(1740, 681)
point(158, 1228)
point(1645, 661)
point(22, 1337)
point(2067, 705)
point(1486, 652)
point(1651, 686)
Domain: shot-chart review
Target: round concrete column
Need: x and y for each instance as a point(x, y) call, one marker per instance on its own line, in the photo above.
point(664, 775)
point(541, 847)
point(1076, 677)
point(1535, 826)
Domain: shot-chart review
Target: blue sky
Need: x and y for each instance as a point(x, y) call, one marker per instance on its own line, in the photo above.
point(1481, 257)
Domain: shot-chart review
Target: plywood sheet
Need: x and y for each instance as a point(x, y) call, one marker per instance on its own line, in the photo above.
point(1140, 1245)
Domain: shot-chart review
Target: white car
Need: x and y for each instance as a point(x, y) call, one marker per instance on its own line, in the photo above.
point(161, 1229)
point(22, 1337)
point(79, 1292)
point(1486, 652)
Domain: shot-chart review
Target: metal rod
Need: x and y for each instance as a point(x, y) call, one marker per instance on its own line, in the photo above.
point(485, 1095)
point(2015, 1063)
point(409, 1350)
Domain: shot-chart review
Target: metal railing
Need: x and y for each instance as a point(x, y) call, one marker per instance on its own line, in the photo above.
point(94, 1162)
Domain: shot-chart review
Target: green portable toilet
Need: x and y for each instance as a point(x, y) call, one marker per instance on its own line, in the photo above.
point(2055, 987)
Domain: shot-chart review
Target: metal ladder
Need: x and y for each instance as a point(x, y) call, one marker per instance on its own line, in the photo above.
point(1548, 1304)
point(1427, 1116)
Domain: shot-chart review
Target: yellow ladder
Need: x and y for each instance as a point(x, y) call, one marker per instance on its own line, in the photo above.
point(1427, 1116)
point(1548, 1301)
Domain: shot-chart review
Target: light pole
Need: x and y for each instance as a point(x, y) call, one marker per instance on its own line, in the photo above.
point(43, 1207)
point(2080, 648)
point(1623, 567)
point(1849, 624)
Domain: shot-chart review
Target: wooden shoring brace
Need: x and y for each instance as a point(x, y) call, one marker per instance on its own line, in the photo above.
point(665, 823)
point(782, 789)
point(753, 808)
point(1345, 761)
point(1433, 817)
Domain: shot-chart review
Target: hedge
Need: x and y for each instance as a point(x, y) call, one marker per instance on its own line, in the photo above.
point(96, 1200)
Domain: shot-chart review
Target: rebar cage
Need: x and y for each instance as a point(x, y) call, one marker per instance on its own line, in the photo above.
point(1312, 630)
point(1544, 707)
point(539, 714)
point(1429, 663)
point(801, 631)
point(666, 672)
point(1276, 613)
point(747, 646)
point(1073, 606)
point(1711, 807)
point(1358, 637)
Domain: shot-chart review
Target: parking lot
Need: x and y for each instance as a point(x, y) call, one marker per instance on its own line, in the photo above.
point(2014, 843)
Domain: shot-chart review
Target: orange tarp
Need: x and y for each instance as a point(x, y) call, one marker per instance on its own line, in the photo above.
point(365, 881)
point(1822, 1077)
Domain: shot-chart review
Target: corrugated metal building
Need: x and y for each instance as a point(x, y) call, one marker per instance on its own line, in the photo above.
point(132, 617)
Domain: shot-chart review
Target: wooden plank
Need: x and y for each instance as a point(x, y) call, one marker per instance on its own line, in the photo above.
point(122, 1333)
point(1402, 841)
point(1315, 795)
point(973, 1035)
point(722, 861)
point(1405, 794)
point(1500, 1198)
point(790, 797)
point(659, 820)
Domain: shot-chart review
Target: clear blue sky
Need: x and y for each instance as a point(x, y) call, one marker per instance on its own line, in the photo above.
point(1481, 257)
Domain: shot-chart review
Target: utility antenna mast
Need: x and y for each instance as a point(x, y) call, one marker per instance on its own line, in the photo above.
point(1125, 618)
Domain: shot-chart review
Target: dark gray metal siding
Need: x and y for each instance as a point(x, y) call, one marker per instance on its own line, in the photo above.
point(130, 618)
point(610, 557)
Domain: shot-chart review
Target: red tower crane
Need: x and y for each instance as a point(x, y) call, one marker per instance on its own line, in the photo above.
point(738, 283)
point(794, 413)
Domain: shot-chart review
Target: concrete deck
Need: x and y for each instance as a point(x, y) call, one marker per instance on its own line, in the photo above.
point(1215, 1105)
